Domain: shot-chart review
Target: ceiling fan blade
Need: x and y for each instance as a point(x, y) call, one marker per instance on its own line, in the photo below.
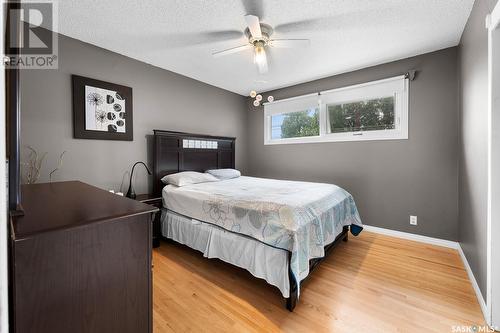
point(160, 41)
point(254, 7)
point(232, 50)
point(220, 35)
point(253, 25)
point(347, 20)
point(303, 25)
point(289, 43)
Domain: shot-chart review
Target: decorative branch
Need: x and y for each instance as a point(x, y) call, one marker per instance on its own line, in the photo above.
point(34, 165)
point(59, 165)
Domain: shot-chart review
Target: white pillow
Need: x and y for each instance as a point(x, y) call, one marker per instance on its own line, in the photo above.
point(224, 173)
point(188, 177)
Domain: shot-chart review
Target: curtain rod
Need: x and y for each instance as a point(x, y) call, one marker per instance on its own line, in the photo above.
point(410, 75)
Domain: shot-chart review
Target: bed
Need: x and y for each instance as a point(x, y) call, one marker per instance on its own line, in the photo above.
point(277, 230)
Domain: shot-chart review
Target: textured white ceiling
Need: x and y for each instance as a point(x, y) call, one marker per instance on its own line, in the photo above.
point(345, 34)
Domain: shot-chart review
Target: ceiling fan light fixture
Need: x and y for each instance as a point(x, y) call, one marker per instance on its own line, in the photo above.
point(260, 53)
point(259, 37)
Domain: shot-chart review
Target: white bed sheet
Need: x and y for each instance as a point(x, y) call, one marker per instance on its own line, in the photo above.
point(262, 261)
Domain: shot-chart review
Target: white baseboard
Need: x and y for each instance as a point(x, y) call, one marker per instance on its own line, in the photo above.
point(472, 279)
point(439, 242)
point(413, 237)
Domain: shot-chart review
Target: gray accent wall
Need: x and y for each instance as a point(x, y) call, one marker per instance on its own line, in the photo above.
point(390, 180)
point(162, 100)
point(473, 146)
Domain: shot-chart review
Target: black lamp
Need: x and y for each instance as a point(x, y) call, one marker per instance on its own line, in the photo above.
point(131, 192)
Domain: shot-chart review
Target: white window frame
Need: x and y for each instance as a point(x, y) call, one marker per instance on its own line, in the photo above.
point(396, 87)
point(289, 105)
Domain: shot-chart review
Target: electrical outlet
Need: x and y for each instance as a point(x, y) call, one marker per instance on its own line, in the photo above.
point(413, 220)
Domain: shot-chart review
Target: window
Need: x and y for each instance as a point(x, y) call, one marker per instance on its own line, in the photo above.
point(368, 115)
point(291, 120)
point(295, 124)
point(372, 111)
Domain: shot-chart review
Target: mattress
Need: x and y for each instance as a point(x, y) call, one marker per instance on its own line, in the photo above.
point(260, 260)
point(299, 217)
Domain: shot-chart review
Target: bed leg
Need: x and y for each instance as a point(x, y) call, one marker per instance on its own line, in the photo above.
point(291, 301)
point(346, 231)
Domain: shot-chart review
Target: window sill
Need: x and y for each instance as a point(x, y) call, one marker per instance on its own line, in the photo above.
point(346, 138)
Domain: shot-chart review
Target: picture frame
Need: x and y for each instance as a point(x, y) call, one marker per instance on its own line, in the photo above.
point(101, 110)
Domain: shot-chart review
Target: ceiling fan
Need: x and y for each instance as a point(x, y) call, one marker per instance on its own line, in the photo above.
point(259, 38)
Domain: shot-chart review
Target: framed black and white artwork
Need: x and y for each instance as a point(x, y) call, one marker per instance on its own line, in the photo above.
point(101, 110)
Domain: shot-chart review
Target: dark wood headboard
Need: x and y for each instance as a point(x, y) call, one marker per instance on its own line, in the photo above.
point(177, 151)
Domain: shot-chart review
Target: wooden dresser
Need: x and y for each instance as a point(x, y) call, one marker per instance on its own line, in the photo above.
point(80, 261)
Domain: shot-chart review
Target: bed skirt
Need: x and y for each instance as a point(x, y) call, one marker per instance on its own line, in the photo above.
point(261, 260)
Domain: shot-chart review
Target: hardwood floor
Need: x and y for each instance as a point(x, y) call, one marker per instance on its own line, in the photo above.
point(372, 283)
